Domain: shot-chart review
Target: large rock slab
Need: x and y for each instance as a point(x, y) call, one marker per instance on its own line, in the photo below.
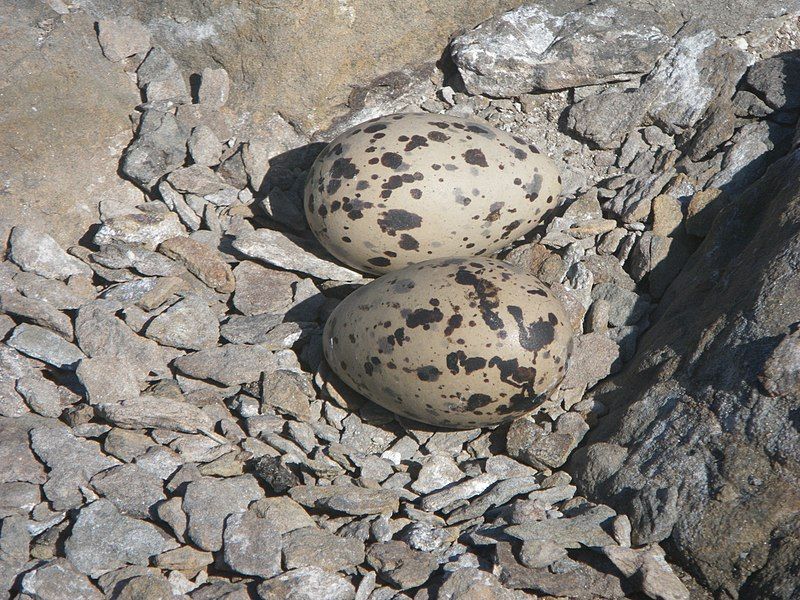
point(533, 49)
point(65, 122)
point(712, 441)
point(266, 49)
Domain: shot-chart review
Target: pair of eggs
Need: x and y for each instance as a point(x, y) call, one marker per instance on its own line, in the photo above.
point(443, 337)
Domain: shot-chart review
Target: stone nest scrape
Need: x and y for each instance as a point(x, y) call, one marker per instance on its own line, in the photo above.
point(168, 426)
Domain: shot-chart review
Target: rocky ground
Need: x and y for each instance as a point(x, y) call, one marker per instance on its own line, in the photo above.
point(170, 429)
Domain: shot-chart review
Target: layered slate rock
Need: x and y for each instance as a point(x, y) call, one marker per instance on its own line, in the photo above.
point(710, 431)
point(533, 49)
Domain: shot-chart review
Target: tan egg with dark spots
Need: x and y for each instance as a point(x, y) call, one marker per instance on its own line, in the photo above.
point(458, 343)
point(401, 189)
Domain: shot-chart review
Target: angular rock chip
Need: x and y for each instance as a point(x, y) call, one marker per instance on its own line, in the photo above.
point(209, 501)
point(57, 578)
point(39, 253)
point(288, 252)
point(348, 499)
point(107, 380)
point(133, 490)
point(41, 395)
point(307, 583)
point(148, 229)
point(314, 547)
point(45, 345)
point(399, 565)
point(260, 289)
point(123, 37)
point(102, 540)
point(38, 312)
point(231, 364)
point(100, 332)
point(156, 412)
point(189, 324)
point(251, 545)
point(204, 262)
point(72, 461)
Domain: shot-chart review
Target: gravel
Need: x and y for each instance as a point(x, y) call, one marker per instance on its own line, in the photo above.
point(168, 425)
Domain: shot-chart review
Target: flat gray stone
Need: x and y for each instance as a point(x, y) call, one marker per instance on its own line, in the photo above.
point(57, 293)
point(72, 461)
point(231, 364)
point(284, 513)
point(148, 229)
point(214, 88)
point(498, 495)
point(287, 252)
point(348, 499)
point(464, 490)
point(122, 37)
point(260, 289)
point(627, 307)
point(572, 532)
point(592, 360)
point(203, 261)
point(252, 545)
point(289, 392)
point(132, 490)
point(41, 395)
point(159, 148)
point(39, 253)
point(126, 445)
point(18, 497)
point(107, 380)
point(209, 501)
point(99, 332)
point(189, 324)
point(307, 583)
point(466, 583)
point(45, 345)
point(15, 451)
point(102, 540)
point(438, 471)
point(156, 412)
point(13, 366)
point(38, 312)
point(775, 80)
point(57, 579)
point(531, 444)
point(399, 565)
point(314, 547)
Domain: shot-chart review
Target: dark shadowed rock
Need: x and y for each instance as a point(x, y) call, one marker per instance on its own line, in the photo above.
point(711, 463)
point(776, 80)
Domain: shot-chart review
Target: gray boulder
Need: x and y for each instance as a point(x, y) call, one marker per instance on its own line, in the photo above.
point(712, 441)
point(532, 48)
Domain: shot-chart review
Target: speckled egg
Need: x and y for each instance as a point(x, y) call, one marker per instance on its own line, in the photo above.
point(401, 189)
point(458, 342)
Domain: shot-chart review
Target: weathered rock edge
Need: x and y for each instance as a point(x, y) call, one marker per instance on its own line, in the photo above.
point(693, 448)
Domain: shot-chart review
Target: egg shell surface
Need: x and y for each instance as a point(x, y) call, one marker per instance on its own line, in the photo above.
point(404, 188)
point(457, 343)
